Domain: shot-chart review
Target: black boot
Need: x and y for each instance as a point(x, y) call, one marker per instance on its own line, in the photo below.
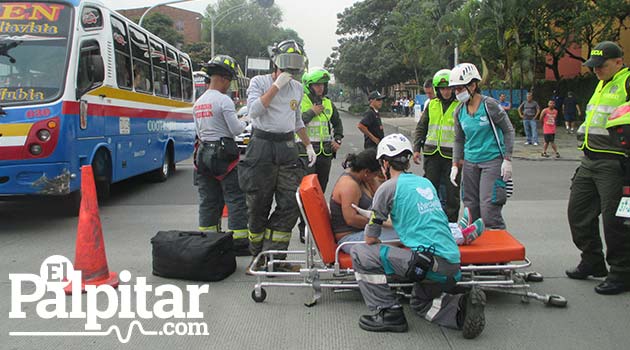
point(471, 317)
point(241, 247)
point(386, 320)
point(584, 271)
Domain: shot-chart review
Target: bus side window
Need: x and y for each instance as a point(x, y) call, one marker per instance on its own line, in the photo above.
point(173, 75)
point(187, 81)
point(91, 70)
point(142, 77)
point(121, 49)
point(160, 77)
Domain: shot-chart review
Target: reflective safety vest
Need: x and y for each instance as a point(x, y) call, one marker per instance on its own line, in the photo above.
point(441, 130)
point(318, 129)
point(592, 134)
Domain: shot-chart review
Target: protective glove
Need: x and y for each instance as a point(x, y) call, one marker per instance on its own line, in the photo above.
point(363, 212)
point(454, 171)
point(312, 157)
point(282, 80)
point(506, 169)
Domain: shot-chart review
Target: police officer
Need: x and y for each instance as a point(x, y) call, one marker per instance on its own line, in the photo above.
point(272, 167)
point(323, 124)
point(217, 177)
point(434, 138)
point(597, 184)
point(433, 262)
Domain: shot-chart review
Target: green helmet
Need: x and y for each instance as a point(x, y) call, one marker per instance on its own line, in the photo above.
point(315, 76)
point(440, 79)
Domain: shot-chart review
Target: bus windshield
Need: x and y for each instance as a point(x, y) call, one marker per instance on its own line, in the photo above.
point(34, 43)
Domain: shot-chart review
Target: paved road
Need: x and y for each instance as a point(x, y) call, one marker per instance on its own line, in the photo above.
point(30, 232)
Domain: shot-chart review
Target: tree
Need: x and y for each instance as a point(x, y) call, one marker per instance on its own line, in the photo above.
point(246, 31)
point(162, 26)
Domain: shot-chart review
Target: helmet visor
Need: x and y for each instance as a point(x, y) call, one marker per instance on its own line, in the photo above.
point(289, 61)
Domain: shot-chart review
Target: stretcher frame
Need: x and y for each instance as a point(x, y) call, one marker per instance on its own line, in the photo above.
point(314, 273)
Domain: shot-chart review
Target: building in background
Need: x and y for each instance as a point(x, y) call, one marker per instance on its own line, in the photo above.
point(186, 22)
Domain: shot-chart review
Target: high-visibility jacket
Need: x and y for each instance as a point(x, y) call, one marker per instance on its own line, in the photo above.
point(441, 130)
point(318, 129)
point(592, 134)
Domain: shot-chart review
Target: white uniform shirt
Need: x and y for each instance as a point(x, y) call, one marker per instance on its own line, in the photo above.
point(215, 117)
point(283, 114)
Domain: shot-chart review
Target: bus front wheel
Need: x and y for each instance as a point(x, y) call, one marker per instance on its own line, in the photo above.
point(102, 166)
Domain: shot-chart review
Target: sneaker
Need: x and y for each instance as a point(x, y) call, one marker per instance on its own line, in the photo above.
point(544, 155)
point(526, 143)
point(464, 221)
point(386, 320)
point(584, 271)
point(473, 231)
point(557, 155)
point(473, 313)
point(535, 143)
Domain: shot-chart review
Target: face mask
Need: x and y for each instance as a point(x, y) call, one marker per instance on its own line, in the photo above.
point(463, 96)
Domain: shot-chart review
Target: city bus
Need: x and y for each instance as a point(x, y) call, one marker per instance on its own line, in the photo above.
point(83, 85)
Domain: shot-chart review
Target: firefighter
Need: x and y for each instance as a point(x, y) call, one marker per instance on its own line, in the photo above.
point(434, 138)
point(272, 168)
point(217, 157)
point(596, 187)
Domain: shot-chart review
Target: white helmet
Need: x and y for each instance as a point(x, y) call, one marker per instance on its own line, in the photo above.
point(463, 73)
point(393, 145)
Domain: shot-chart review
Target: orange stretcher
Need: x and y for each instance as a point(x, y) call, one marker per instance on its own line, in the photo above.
point(491, 262)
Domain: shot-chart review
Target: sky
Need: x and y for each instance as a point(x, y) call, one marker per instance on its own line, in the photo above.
point(314, 20)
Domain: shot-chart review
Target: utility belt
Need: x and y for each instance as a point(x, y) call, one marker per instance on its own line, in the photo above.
point(602, 155)
point(273, 136)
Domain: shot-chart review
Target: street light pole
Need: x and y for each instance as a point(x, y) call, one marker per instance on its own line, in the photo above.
point(159, 4)
point(214, 21)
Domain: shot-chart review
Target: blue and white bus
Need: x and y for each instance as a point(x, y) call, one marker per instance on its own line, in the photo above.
point(81, 84)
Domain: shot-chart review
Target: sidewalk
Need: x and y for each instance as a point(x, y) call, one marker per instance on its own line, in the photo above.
point(567, 143)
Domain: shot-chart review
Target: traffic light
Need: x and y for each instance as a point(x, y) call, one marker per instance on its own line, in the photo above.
point(340, 92)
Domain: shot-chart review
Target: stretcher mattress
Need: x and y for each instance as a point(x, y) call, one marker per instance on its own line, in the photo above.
point(492, 247)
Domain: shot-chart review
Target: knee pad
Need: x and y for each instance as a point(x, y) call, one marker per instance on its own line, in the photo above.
point(420, 264)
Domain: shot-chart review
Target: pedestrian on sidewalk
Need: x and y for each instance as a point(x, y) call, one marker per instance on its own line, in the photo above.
point(596, 187)
point(504, 104)
point(486, 159)
point(529, 111)
point(571, 110)
point(548, 117)
point(371, 125)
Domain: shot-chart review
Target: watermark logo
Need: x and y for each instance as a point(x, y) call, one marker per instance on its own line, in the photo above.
point(51, 302)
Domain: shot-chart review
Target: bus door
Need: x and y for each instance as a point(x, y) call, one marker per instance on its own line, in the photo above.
point(91, 124)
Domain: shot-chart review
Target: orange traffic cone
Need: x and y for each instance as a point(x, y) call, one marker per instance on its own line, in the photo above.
point(225, 211)
point(90, 256)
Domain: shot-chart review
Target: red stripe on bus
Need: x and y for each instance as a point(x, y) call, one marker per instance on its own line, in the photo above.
point(98, 110)
point(11, 152)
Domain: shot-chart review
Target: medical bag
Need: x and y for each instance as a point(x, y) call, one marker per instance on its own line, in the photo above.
point(191, 255)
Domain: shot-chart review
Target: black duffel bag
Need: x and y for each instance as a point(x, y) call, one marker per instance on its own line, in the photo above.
point(191, 255)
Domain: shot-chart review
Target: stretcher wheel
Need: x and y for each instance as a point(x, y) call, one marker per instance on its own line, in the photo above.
point(259, 298)
point(534, 277)
point(557, 301)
